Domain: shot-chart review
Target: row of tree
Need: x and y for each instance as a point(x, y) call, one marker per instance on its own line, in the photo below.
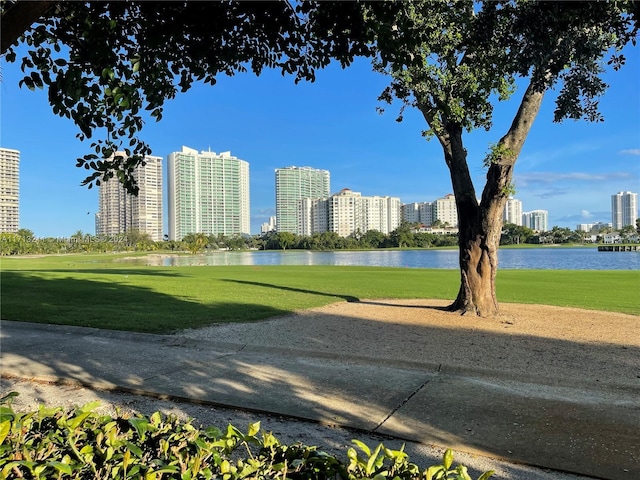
point(516, 234)
point(24, 242)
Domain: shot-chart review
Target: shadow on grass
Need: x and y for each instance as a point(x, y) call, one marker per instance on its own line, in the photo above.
point(512, 395)
point(114, 305)
point(348, 298)
point(106, 271)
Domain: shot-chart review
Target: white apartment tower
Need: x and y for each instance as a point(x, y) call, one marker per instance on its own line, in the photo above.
point(445, 210)
point(348, 212)
point(513, 212)
point(9, 190)
point(536, 220)
point(207, 193)
point(294, 184)
point(120, 211)
point(421, 213)
point(624, 209)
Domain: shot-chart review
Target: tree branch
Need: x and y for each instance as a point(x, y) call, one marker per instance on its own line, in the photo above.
point(18, 17)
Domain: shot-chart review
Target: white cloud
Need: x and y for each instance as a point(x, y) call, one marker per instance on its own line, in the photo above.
point(586, 214)
point(630, 151)
point(557, 153)
point(545, 178)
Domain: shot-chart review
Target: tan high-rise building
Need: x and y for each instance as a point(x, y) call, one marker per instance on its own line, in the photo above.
point(348, 212)
point(9, 190)
point(119, 211)
point(445, 210)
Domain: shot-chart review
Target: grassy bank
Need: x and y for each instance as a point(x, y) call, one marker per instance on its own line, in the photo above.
point(95, 291)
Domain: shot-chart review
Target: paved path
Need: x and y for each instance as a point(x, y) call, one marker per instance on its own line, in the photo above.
point(567, 423)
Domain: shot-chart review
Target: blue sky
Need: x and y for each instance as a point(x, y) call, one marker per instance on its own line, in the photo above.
point(570, 169)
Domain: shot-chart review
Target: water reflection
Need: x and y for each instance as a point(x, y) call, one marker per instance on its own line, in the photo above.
point(526, 258)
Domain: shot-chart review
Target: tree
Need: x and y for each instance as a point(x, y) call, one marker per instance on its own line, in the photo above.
point(402, 236)
point(196, 242)
point(627, 233)
point(515, 234)
point(372, 239)
point(452, 60)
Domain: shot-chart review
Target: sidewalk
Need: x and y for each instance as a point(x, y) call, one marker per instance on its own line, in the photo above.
point(567, 424)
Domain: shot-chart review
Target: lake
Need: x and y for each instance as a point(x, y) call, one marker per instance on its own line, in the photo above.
point(545, 258)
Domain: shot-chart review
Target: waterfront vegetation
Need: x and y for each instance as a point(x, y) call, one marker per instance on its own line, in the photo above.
point(102, 291)
point(407, 235)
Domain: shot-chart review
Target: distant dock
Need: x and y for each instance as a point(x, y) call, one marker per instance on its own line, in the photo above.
point(618, 248)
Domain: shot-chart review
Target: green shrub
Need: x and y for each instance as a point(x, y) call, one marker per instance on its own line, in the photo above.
point(79, 443)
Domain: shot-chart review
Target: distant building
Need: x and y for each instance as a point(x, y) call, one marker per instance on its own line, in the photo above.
point(426, 213)
point(421, 213)
point(624, 209)
point(536, 220)
point(207, 193)
point(347, 213)
point(513, 212)
point(292, 185)
point(269, 226)
point(9, 190)
point(120, 211)
point(445, 210)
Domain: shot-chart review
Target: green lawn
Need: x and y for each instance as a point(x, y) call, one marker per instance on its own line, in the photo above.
point(96, 291)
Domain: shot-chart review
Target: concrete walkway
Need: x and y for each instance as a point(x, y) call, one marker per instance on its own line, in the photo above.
point(568, 424)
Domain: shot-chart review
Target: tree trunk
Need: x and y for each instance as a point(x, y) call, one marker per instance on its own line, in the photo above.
point(480, 222)
point(479, 229)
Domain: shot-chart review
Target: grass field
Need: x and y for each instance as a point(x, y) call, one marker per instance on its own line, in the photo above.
point(96, 291)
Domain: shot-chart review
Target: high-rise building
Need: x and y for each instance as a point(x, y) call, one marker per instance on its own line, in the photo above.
point(421, 213)
point(513, 212)
point(207, 193)
point(9, 190)
point(120, 211)
point(624, 209)
point(294, 184)
point(536, 220)
point(348, 212)
point(445, 210)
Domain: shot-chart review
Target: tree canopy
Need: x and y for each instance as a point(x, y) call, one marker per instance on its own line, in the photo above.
point(111, 65)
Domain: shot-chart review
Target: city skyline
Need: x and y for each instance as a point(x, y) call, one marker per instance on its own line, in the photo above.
point(569, 169)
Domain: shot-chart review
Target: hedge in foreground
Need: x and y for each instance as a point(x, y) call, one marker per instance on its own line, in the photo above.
point(53, 443)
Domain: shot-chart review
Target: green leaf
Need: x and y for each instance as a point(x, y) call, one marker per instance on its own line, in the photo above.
point(447, 458)
point(5, 428)
point(136, 450)
point(434, 470)
point(8, 398)
point(76, 421)
point(486, 475)
point(253, 430)
point(91, 406)
point(362, 446)
point(62, 467)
